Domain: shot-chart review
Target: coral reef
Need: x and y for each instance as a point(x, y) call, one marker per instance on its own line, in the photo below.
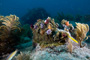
point(47, 34)
point(33, 15)
point(79, 33)
point(49, 39)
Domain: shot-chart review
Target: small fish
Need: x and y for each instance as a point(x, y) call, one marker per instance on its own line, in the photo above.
point(12, 55)
point(73, 39)
point(67, 23)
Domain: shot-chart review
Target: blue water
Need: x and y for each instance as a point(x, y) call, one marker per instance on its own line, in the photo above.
point(74, 11)
point(21, 7)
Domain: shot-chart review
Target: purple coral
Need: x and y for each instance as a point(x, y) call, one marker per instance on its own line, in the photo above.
point(49, 31)
point(35, 26)
point(42, 25)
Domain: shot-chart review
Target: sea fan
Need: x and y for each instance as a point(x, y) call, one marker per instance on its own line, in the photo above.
point(81, 31)
point(9, 26)
point(8, 23)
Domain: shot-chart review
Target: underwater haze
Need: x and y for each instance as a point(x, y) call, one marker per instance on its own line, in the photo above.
point(21, 7)
point(44, 29)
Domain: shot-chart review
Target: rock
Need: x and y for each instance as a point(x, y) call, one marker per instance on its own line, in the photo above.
point(60, 53)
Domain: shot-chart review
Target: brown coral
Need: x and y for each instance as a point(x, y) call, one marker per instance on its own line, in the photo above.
point(12, 22)
point(8, 25)
point(81, 31)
